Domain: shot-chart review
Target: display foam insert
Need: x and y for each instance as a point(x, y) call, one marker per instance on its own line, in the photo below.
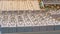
point(19, 5)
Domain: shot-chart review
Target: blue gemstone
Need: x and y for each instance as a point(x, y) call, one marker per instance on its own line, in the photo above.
point(50, 28)
point(20, 29)
point(28, 29)
point(36, 29)
point(57, 27)
point(43, 28)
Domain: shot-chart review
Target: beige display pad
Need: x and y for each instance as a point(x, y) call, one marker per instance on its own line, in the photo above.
point(19, 5)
